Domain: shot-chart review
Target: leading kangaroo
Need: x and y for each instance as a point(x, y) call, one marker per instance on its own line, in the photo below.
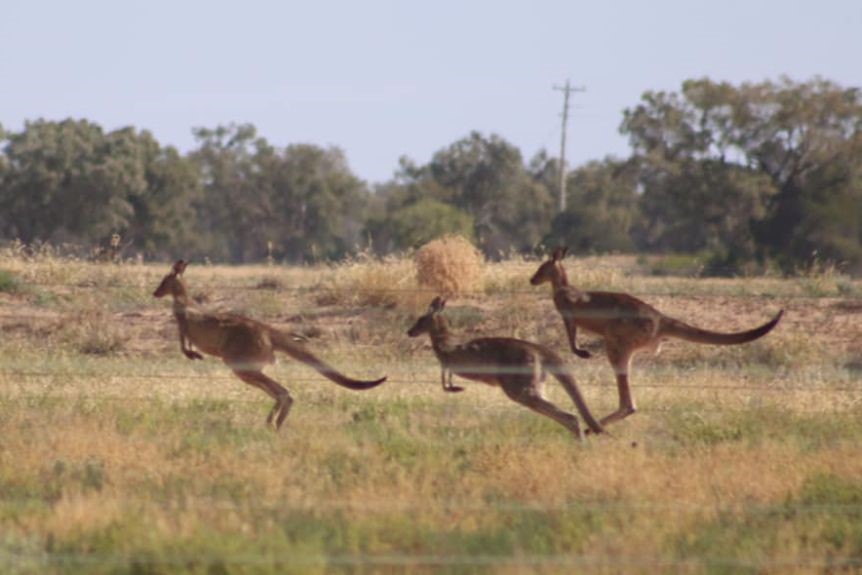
point(627, 325)
point(245, 345)
point(515, 365)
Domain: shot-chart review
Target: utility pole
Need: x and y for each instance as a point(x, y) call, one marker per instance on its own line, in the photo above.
point(566, 90)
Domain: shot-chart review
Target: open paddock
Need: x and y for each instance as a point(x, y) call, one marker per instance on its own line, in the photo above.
point(119, 455)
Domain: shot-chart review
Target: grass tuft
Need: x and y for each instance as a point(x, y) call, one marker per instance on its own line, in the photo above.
point(95, 331)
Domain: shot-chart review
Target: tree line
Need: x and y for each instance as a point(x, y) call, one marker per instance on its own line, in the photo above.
point(744, 175)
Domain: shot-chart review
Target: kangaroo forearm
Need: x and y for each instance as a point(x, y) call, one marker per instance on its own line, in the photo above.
point(186, 348)
point(446, 375)
point(572, 331)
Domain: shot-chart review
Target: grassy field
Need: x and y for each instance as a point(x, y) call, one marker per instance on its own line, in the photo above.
point(119, 455)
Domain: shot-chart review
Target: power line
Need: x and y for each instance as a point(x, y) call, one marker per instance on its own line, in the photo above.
point(398, 560)
point(801, 283)
point(471, 504)
point(436, 381)
point(814, 295)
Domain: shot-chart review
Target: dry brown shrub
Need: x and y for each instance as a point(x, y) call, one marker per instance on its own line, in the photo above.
point(450, 265)
point(367, 281)
point(94, 331)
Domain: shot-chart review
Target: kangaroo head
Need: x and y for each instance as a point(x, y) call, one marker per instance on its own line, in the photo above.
point(426, 323)
point(550, 269)
point(172, 283)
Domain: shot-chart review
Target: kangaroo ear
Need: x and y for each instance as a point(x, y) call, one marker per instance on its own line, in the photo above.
point(180, 267)
point(438, 304)
point(559, 253)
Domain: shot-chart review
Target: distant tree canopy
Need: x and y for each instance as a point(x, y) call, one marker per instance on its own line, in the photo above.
point(764, 171)
point(231, 199)
point(601, 208)
point(754, 173)
point(302, 200)
point(484, 179)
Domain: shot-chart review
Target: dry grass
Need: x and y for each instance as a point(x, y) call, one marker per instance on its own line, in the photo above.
point(369, 478)
point(741, 459)
point(94, 331)
point(368, 281)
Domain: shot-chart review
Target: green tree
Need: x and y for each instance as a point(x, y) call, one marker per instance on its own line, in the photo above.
point(746, 170)
point(601, 208)
point(485, 177)
point(70, 182)
point(232, 204)
point(417, 223)
point(303, 200)
point(318, 204)
point(807, 138)
point(165, 223)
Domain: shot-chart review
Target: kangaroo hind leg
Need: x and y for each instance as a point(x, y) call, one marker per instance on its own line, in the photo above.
point(531, 397)
point(621, 359)
point(283, 400)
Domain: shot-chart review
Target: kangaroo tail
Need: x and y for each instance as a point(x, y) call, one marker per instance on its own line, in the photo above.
point(284, 342)
point(675, 328)
point(558, 369)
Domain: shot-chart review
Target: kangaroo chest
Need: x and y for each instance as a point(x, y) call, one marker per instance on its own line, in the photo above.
point(204, 333)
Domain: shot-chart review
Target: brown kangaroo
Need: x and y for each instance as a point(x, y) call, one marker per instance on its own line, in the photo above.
point(515, 365)
point(245, 345)
point(627, 324)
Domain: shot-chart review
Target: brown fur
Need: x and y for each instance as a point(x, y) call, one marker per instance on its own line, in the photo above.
point(245, 345)
point(626, 324)
point(515, 365)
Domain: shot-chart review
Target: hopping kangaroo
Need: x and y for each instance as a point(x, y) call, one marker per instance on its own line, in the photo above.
point(245, 345)
point(515, 365)
point(627, 325)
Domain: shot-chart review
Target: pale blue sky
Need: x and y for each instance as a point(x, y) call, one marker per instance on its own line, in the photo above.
point(381, 79)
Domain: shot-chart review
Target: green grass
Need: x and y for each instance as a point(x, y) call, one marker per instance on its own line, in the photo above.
point(9, 282)
point(822, 522)
point(358, 483)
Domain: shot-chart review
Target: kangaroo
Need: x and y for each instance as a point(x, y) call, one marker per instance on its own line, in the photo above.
point(245, 345)
point(515, 365)
point(627, 324)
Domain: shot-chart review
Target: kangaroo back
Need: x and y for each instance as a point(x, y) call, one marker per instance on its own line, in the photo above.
point(675, 328)
point(283, 342)
point(557, 368)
